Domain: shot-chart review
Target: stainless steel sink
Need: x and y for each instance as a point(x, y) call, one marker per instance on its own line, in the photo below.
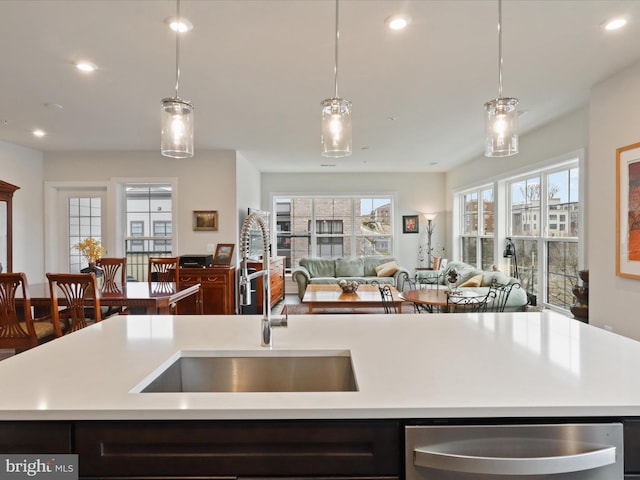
point(309, 372)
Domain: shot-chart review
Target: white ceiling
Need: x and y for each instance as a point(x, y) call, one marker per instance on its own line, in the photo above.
point(256, 71)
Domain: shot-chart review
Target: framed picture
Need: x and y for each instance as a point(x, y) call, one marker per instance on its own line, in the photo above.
point(224, 254)
point(410, 224)
point(628, 211)
point(205, 220)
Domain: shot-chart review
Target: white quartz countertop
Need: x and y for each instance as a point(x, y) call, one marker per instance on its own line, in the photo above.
point(406, 366)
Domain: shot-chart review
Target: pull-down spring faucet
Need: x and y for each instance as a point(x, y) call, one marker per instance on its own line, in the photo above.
point(255, 219)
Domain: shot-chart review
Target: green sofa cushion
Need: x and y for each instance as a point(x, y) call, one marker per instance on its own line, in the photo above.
point(349, 267)
point(319, 267)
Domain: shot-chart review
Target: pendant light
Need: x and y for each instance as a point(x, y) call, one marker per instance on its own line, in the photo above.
point(177, 116)
point(336, 116)
point(501, 114)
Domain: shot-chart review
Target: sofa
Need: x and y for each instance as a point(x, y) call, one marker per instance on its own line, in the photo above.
point(474, 279)
point(378, 269)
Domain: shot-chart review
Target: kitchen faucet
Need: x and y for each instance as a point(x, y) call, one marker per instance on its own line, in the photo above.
point(252, 220)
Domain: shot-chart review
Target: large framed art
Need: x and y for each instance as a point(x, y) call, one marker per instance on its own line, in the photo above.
point(628, 211)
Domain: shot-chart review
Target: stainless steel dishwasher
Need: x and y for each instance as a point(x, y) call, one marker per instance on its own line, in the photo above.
point(585, 451)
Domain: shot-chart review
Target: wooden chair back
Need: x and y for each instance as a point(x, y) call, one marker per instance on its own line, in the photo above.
point(17, 329)
point(163, 269)
point(78, 292)
point(114, 271)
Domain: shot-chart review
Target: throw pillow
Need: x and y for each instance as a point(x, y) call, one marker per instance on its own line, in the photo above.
point(474, 281)
point(387, 269)
point(499, 277)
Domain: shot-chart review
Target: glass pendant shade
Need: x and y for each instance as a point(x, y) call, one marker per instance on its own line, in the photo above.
point(501, 127)
point(177, 128)
point(336, 127)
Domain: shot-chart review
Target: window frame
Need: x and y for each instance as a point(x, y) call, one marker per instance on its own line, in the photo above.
point(502, 217)
point(480, 235)
point(351, 236)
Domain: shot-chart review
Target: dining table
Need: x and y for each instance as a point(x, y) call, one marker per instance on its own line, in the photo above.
point(426, 297)
point(155, 297)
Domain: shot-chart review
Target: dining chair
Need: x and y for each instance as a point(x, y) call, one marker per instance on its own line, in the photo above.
point(114, 277)
point(18, 330)
point(387, 299)
point(114, 271)
point(469, 304)
point(500, 295)
point(163, 269)
point(78, 292)
point(412, 283)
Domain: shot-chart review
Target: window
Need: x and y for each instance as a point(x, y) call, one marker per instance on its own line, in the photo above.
point(540, 212)
point(332, 227)
point(553, 196)
point(85, 221)
point(477, 236)
point(162, 229)
point(149, 219)
point(136, 228)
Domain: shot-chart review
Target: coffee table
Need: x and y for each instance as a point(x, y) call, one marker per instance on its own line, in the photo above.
point(331, 296)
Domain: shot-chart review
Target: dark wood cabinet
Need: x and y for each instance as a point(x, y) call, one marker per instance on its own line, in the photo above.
point(208, 449)
point(35, 437)
point(276, 279)
point(218, 290)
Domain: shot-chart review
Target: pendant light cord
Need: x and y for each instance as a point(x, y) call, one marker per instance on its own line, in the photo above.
point(177, 46)
point(336, 53)
point(499, 48)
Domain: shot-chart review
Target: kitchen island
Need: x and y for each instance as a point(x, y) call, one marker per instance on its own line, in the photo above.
point(85, 389)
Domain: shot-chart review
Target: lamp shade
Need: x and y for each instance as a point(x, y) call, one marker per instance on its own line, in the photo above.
point(177, 128)
point(501, 127)
point(336, 127)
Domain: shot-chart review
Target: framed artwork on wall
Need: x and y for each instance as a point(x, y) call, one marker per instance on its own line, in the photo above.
point(410, 224)
point(224, 254)
point(628, 211)
point(205, 220)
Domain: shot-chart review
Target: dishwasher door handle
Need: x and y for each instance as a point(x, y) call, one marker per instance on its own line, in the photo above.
point(463, 457)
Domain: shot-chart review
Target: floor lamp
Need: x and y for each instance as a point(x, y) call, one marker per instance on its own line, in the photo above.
point(510, 252)
point(430, 217)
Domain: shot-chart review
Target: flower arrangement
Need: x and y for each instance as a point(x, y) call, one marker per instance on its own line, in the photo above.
point(91, 249)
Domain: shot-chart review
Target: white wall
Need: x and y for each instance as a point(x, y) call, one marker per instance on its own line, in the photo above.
point(205, 182)
point(614, 123)
point(23, 167)
point(414, 193)
point(248, 187)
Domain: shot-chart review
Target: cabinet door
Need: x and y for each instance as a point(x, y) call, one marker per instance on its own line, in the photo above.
point(214, 297)
point(35, 437)
point(262, 448)
point(188, 306)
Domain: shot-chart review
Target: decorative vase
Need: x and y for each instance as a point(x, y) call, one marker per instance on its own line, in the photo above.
point(93, 268)
point(580, 308)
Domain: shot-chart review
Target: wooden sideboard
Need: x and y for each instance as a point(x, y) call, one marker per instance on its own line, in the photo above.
point(276, 277)
point(218, 290)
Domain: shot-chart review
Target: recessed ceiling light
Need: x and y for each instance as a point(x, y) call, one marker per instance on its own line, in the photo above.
point(614, 23)
point(180, 25)
point(397, 22)
point(39, 133)
point(87, 67)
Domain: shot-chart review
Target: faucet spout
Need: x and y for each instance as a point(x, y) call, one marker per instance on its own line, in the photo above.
point(267, 323)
